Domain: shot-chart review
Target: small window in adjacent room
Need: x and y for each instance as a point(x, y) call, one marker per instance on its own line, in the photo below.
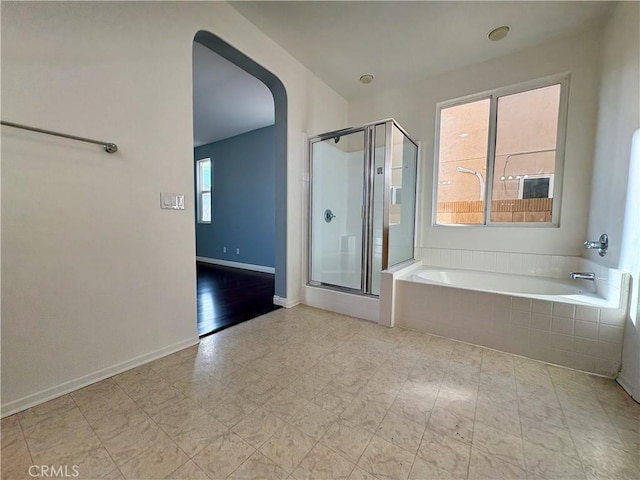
point(500, 156)
point(204, 190)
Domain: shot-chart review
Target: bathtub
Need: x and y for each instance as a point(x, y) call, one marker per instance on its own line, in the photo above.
point(554, 320)
point(579, 292)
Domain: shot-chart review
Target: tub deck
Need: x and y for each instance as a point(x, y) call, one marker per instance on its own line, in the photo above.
point(578, 292)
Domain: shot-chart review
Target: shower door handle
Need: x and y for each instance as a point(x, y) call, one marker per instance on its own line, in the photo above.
point(328, 215)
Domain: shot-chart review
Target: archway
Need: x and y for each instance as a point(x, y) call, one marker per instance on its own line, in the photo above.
point(277, 89)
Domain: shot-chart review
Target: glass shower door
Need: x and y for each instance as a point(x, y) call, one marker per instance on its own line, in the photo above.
point(337, 186)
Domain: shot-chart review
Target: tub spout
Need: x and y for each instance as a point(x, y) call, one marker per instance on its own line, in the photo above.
point(582, 276)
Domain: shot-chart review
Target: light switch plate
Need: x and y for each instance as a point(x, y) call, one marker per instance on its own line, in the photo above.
point(171, 201)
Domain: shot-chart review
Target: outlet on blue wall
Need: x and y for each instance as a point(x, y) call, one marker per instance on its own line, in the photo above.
point(243, 198)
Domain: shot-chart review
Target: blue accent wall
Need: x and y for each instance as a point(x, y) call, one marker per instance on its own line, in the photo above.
point(243, 211)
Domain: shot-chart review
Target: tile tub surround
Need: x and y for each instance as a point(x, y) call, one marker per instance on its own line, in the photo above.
point(555, 266)
point(576, 336)
point(305, 393)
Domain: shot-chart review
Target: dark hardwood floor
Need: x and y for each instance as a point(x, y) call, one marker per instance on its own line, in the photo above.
point(228, 296)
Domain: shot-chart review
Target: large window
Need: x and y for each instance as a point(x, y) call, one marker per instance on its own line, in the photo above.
point(203, 174)
point(500, 154)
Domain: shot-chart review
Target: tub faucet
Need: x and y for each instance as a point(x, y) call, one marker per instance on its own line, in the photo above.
point(582, 276)
point(602, 244)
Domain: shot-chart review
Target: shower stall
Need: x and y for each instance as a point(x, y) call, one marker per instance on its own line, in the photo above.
point(362, 205)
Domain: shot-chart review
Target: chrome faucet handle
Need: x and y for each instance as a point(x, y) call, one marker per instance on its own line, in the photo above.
point(602, 244)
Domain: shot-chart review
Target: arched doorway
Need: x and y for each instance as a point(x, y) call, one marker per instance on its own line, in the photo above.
point(275, 86)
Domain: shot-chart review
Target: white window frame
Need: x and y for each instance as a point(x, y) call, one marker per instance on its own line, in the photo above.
point(201, 190)
point(493, 96)
point(522, 179)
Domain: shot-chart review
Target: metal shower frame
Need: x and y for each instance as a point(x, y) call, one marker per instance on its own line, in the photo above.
point(367, 200)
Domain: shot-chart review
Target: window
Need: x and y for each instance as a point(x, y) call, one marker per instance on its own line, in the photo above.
point(203, 174)
point(536, 186)
point(500, 154)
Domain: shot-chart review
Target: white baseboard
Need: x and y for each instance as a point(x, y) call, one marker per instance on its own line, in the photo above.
point(283, 302)
point(244, 266)
point(42, 396)
point(360, 306)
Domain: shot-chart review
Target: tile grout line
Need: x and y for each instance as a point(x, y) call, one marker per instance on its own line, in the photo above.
point(434, 403)
point(387, 411)
point(615, 428)
point(475, 411)
point(515, 381)
point(569, 429)
point(228, 429)
point(94, 432)
point(152, 421)
point(243, 462)
point(24, 438)
point(288, 422)
point(355, 464)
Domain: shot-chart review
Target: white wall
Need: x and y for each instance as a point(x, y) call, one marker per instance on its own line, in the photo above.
point(414, 107)
point(618, 120)
point(630, 375)
point(95, 276)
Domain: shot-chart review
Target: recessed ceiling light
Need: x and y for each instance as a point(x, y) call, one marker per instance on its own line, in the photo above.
point(498, 33)
point(367, 78)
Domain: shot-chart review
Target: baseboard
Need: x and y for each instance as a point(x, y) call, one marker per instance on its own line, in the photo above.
point(359, 306)
point(244, 266)
point(626, 386)
point(283, 302)
point(54, 392)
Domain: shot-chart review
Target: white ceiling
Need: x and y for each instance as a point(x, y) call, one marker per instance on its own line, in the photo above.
point(401, 42)
point(397, 41)
point(227, 101)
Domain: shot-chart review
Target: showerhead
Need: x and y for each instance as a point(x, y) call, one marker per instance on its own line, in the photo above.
point(466, 170)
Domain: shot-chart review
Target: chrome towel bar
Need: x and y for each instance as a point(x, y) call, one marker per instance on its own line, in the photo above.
point(109, 147)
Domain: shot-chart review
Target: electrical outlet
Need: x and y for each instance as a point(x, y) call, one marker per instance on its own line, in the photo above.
point(237, 251)
point(224, 249)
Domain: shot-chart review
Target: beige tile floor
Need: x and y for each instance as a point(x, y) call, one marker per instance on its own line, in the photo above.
point(307, 394)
